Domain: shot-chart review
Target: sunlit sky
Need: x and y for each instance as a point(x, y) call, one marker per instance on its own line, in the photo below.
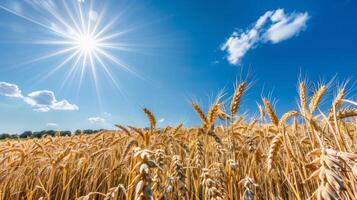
point(80, 64)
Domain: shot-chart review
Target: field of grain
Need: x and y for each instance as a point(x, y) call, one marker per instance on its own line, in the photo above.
point(305, 153)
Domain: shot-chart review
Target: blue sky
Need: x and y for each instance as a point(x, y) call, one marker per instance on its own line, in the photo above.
point(162, 55)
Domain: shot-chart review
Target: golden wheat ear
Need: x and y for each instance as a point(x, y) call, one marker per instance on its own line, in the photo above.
point(151, 117)
point(212, 114)
point(286, 116)
point(352, 112)
point(302, 95)
point(273, 118)
point(316, 98)
point(200, 113)
point(122, 128)
point(238, 93)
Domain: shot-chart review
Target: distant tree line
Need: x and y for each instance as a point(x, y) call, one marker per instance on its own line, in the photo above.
point(40, 134)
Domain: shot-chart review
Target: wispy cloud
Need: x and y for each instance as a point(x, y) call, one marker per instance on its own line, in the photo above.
point(96, 120)
point(42, 100)
point(274, 26)
point(161, 120)
point(52, 124)
point(107, 114)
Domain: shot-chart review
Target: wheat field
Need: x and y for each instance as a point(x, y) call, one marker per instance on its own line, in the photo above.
point(306, 153)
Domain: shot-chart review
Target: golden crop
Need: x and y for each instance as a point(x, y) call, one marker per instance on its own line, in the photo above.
point(303, 154)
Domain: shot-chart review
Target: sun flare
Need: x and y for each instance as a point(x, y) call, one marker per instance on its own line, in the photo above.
point(83, 36)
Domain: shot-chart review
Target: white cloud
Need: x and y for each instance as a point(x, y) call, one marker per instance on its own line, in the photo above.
point(106, 114)
point(64, 105)
point(238, 45)
point(96, 120)
point(161, 120)
point(274, 27)
point(45, 100)
point(42, 109)
point(52, 125)
point(286, 27)
point(42, 101)
point(42, 98)
point(262, 19)
point(9, 90)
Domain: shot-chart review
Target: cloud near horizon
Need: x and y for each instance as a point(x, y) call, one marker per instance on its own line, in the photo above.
point(274, 26)
point(41, 101)
point(96, 120)
point(50, 124)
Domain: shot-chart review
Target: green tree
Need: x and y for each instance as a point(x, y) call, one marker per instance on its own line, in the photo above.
point(4, 136)
point(25, 134)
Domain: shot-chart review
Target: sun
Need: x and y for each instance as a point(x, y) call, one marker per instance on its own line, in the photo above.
point(87, 44)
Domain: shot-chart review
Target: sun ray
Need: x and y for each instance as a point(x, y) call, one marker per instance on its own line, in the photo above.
point(71, 73)
point(84, 58)
point(109, 74)
point(97, 22)
point(36, 22)
point(55, 14)
point(105, 28)
point(58, 67)
point(118, 46)
point(94, 76)
point(54, 54)
point(69, 13)
point(114, 35)
point(91, 17)
point(46, 75)
point(81, 17)
point(53, 42)
point(115, 60)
